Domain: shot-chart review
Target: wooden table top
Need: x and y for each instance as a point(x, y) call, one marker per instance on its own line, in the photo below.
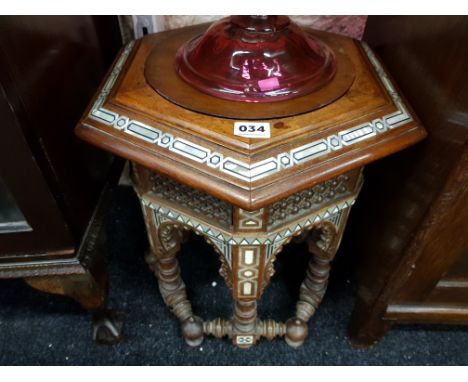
point(129, 118)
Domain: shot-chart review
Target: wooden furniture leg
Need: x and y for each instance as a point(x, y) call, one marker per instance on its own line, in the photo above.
point(87, 290)
point(315, 284)
point(247, 243)
point(91, 293)
point(84, 277)
point(165, 242)
point(367, 326)
point(248, 278)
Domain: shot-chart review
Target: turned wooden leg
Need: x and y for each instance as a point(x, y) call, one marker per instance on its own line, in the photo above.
point(247, 288)
point(244, 322)
point(315, 284)
point(311, 293)
point(247, 280)
point(165, 240)
point(247, 243)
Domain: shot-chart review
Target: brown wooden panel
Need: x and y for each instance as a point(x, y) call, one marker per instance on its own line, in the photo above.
point(441, 238)
point(24, 179)
point(458, 272)
point(413, 205)
point(428, 313)
point(449, 293)
point(49, 67)
point(129, 99)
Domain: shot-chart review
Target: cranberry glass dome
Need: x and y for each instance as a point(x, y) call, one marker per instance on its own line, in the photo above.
point(255, 59)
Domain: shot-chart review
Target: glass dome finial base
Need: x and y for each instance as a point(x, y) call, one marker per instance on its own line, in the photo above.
point(255, 59)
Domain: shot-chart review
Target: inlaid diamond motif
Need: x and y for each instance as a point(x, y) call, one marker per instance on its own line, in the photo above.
point(379, 124)
point(284, 160)
point(166, 140)
point(215, 160)
point(334, 142)
point(121, 123)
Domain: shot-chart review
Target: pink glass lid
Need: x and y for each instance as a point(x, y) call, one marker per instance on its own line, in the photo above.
point(255, 59)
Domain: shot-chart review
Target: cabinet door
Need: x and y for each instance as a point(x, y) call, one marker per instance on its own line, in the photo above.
point(30, 220)
point(50, 66)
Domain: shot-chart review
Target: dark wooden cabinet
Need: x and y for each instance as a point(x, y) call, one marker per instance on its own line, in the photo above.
point(50, 182)
point(412, 258)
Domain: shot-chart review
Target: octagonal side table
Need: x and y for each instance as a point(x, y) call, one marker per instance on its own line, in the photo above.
point(247, 197)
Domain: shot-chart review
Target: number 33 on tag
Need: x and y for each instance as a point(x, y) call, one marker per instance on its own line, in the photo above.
point(252, 129)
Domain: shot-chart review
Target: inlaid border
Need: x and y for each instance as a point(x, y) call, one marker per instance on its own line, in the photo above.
point(238, 169)
point(250, 220)
point(224, 239)
point(248, 267)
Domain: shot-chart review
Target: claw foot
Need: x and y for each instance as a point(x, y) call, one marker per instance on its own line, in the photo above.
point(107, 327)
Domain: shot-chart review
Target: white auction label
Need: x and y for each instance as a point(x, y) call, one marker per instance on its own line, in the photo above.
point(252, 129)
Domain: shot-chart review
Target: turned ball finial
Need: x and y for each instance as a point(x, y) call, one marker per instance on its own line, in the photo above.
point(296, 332)
point(192, 330)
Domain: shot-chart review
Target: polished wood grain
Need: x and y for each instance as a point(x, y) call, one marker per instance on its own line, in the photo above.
point(365, 101)
point(412, 260)
point(44, 60)
point(49, 67)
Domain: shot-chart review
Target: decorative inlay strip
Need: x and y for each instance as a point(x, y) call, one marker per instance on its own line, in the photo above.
point(235, 168)
point(250, 220)
point(248, 264)
point(165, 214)
point(224, 240)
point(106, 116)
point(244, 340)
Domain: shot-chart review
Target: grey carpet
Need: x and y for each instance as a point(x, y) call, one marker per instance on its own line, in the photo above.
point(41, 329)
